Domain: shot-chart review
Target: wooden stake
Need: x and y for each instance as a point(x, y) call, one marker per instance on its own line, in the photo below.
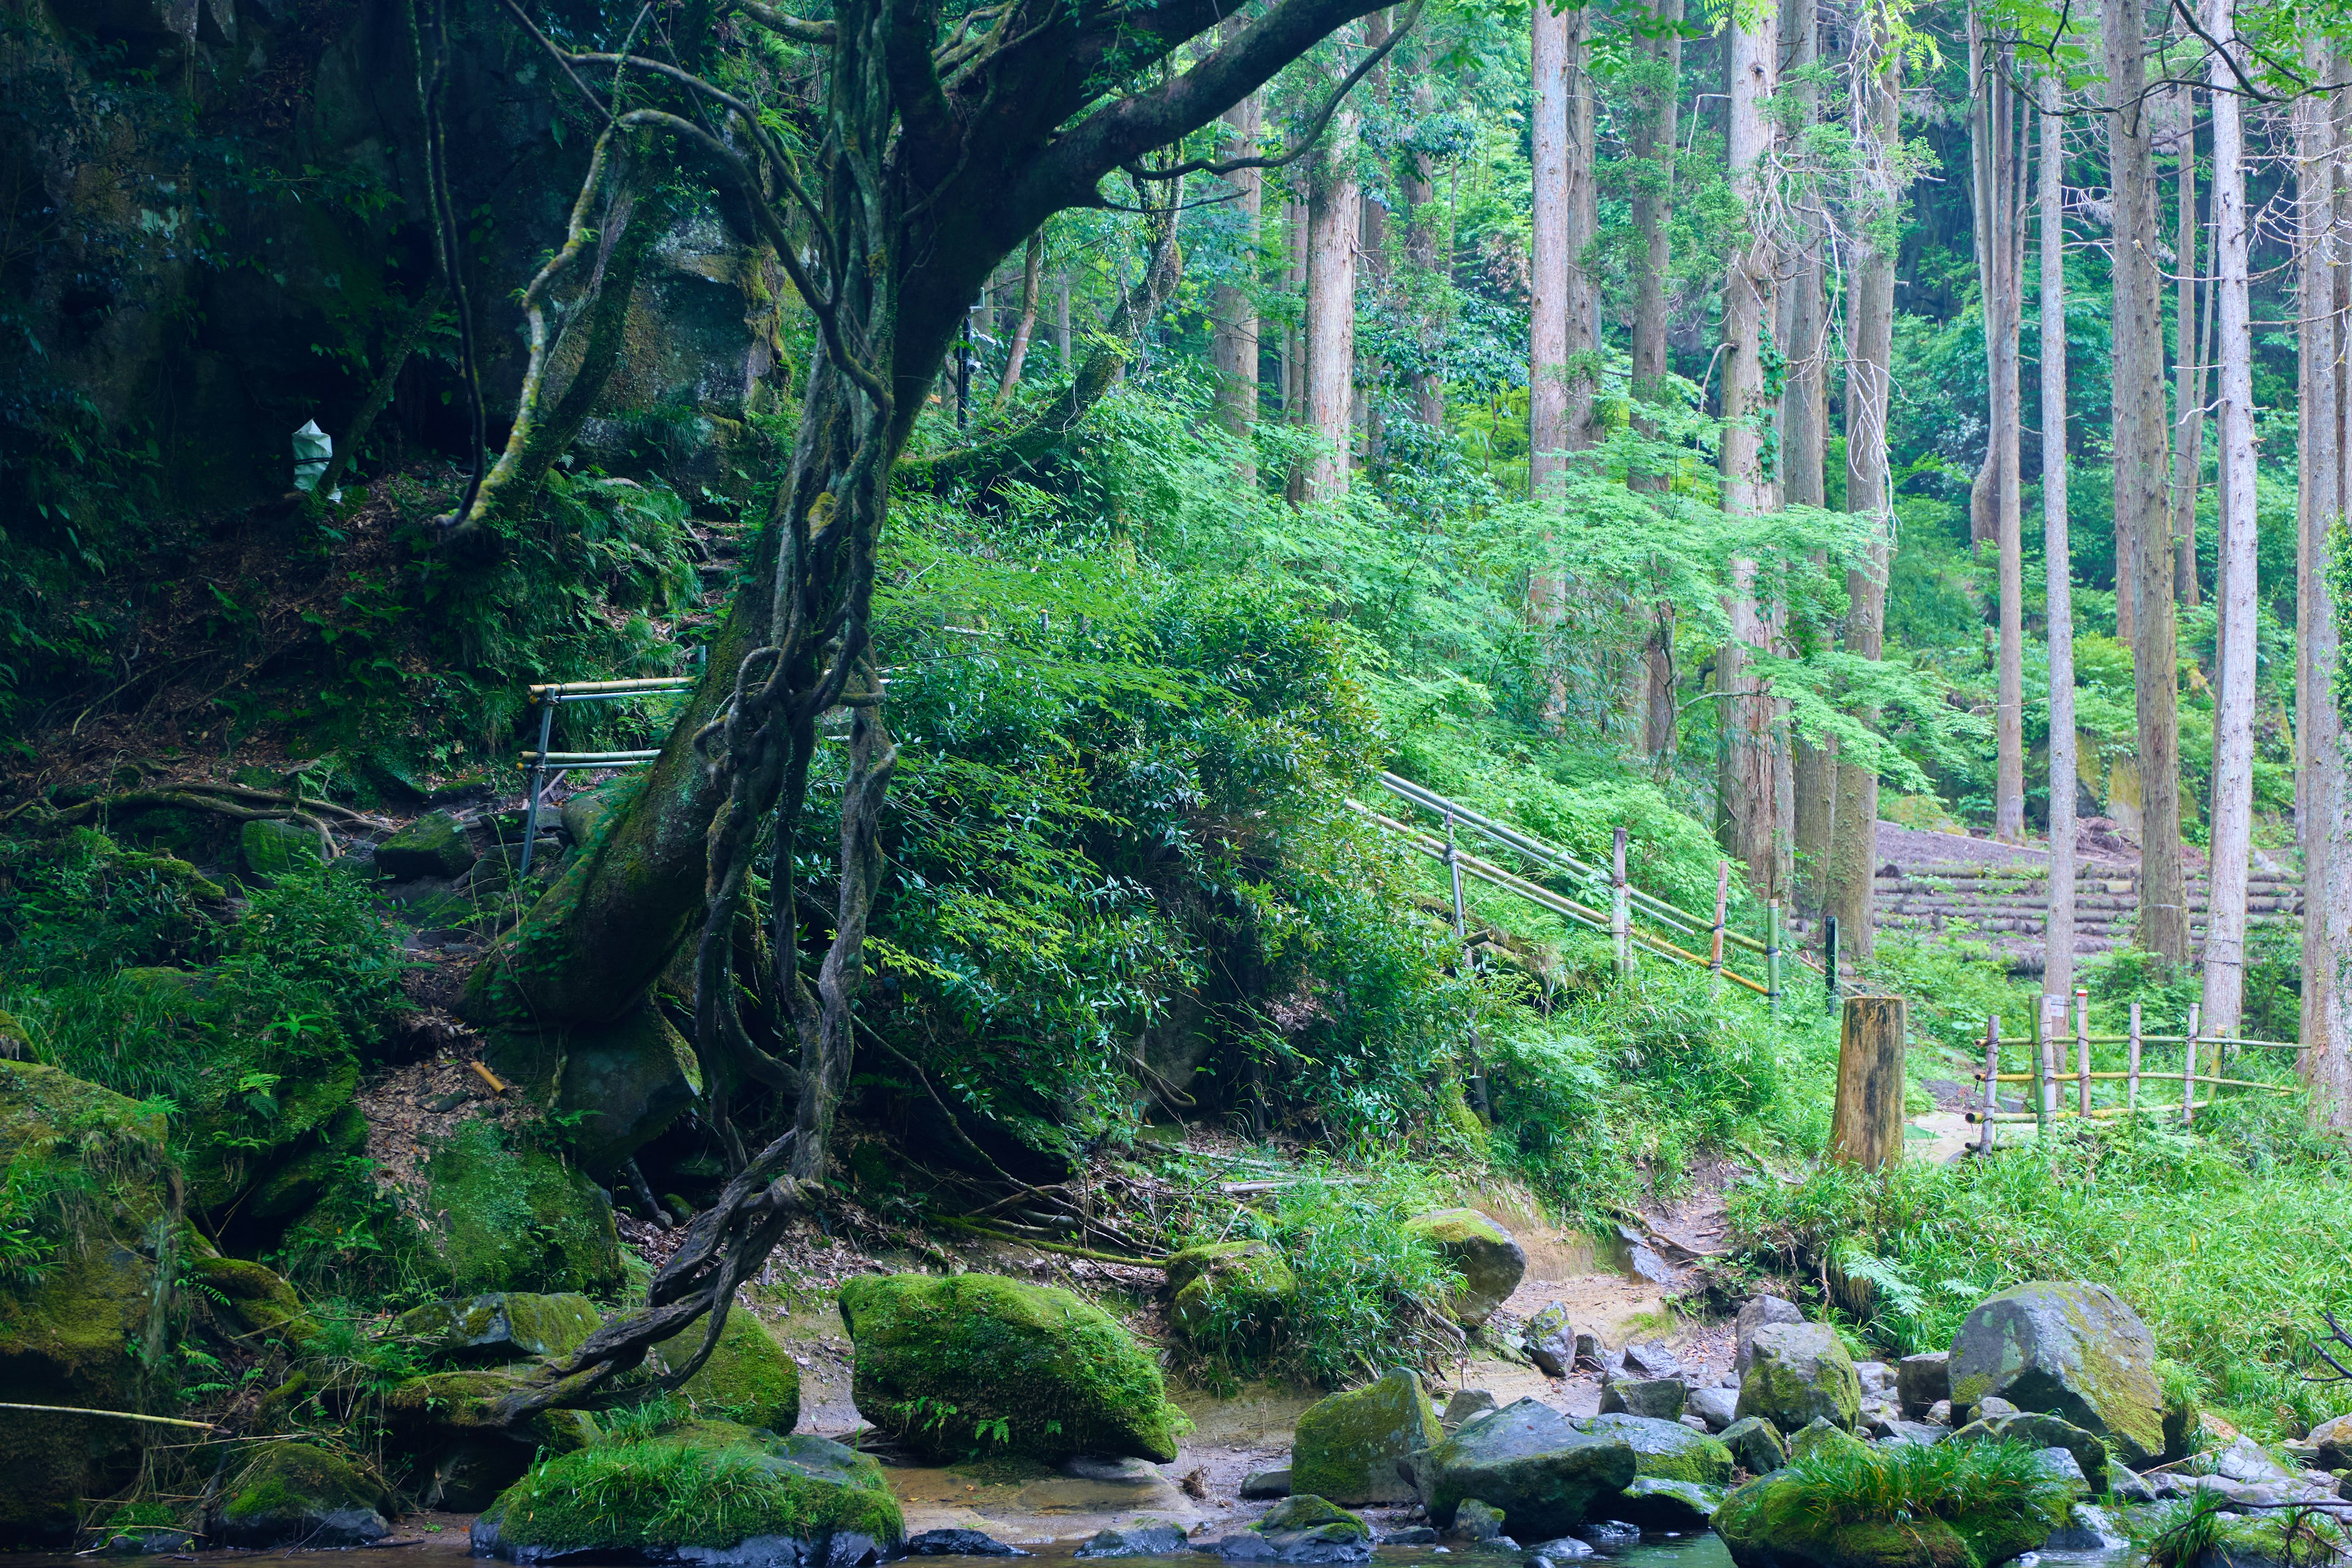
point(2041, 1083)
point(1722, 896)
point(1866, 1128)
point(1621, 910)
point(2131, 1080)
point(2082, 1064)
point(1772, 955)
point(2187, 1071)
point(1992, 1083)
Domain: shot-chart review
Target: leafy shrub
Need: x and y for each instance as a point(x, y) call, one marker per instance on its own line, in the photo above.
point(1849, 1483)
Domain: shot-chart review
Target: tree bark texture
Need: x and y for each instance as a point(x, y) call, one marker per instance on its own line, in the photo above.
point(1754, 755)
point(1866, 1123)
point(1658, 90)
point(1033, 277)
point(2058, 932)
point(2188, 361)
point(1335, 214)
point(1877, 74)
point(1421, 243)
point(1232, 346)
point(2141, 451)
point(1549, 32)
point(2000, 218)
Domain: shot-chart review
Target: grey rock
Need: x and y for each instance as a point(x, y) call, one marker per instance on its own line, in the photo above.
point(1921, 1380)
point(1659, 1399)
point(1643, 1263)
point(1755, 1443)
point(1918, 1433)
point(1654, 1502)
point(1877, 1378)
point(1347, 1447)
point(138, 1542)
point(1754, 1313)
point(1610, 1534)
point(434, 845)
point(1668, 1448)
point(956, 1543)
point(2089, 1455)
point(2126, 1486)
point(1303, 1529)
point(2244, 1461)
point(1260, 1485)
point(1695, 1423)
point(1566, 1549)
point(2069, 1347)
point(1993, 1405)
point(1490, 1262)
point(1549, 1340)
point(1798, 1373)
point(2062, 1464)
point(1940, 1412)
point(1652, 1360)
point(1528, 1460)
point(1464, 1403)
point(1592, 1350)
point(1411, 1535)
point(1816, 1432)
point(1475, 1524)
point(1718, 1407)
point(2089, 1529)
point(1144, 1538)
point(2333, 1441)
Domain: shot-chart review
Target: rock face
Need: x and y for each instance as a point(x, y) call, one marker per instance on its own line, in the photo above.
point(2069, 1347)
point(1921, 1382)
point(1797, 1373)
point(293, 1494)
point(2041, 1432)
point(1755, 1443)
point(1668, 1450)
point(627, 1081)
point(1240, 1291)
point(445, 1424)
point(431, 846)
point(1546, 1475)
point(1027, 1369)
point(749, 1379)
point(517, 1219)
point(1767, 1524)
point(1759, 1312)
point(1718, 1407)
point(1661, 1398)
point(67, 1332)
point(499, 1327)
point(1490, 1262)
point(1655, 1504)
point(1347, 1446)
point(269, 847)
point(1549, 1340)
point(791, 1501)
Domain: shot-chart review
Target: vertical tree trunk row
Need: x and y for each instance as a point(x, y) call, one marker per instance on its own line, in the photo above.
point(2000, 214)
point(1656, 94)
point(1233, 341)
point(2189, 360)
point(1335, 211)
point(2058, 934)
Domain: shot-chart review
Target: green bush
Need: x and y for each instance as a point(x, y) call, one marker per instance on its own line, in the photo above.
point(1849, 1483)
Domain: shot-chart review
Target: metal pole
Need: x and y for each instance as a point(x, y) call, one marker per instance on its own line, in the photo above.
point(1453, 864)
point(1715, 951)
point(1620, 911)
point(546, 702)
point(1772, 955)
point(1992, 1083)
point(1829, 970)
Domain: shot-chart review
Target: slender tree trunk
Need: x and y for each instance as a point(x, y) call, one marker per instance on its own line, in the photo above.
point(1877, 76)
point(1655, 105)
point(1334, 219)
point(2325, 1060)
point(2189, 363)
point(1420, 234)
point(1751, 781)
point(2140, 458)
point(1033, 276)
point(1062, 318)
point(1232, 346)
point(2058, 934)
point(1804, 433)
point(1548, 44)
point(2233, 702)
point(1999, 215)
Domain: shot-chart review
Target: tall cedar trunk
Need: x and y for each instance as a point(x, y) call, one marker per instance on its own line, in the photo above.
point(2058, 933)
point(2141, 451)
point(1335, 213)
point(2233, 701)
point(2325, 1060)
point(1752, 763)
point(1877, 76)
point(1659, 87)
point(1549, 31)
point(1420, 221)
point(1291, 374)
point(1372, 250)
point(1232, 343)
point(2187, 360)
point(1997, 215)
point(1804, 430)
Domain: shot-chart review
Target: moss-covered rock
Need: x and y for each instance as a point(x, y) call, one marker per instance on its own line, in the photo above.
point(434, 845)
point(749, 1379)
point(788, 1500)
point(1660, 1502)
point(269, 847)
point(626, 1083)
point(258, 1297)
point(446, 1426)
point(1755, 1445)
point(1303, 1530)
point(1491, 1263)
point(1668, 1449)
point(2036, 1431)
point(1347, 1446)
point(503, 1326)
point(2069, 1348)
point(1545, 1473)
point(587, 814)
point(517, 1219)
point(297, 1494)
point(1797, 1373)
point(1765, 1525)
point(1242, 1290)
point(90, 1167)
point(977, 1361)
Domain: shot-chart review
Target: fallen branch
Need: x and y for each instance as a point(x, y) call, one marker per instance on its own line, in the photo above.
point(112, 1415)
point(994, 1235)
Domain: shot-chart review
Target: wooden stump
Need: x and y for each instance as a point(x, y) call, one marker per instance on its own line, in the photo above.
point(1867, 1130)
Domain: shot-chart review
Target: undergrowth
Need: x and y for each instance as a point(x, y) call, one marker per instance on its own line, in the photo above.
point(1849, 1483)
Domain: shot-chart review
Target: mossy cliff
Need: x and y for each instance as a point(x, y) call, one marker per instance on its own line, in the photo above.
point(975, 1362)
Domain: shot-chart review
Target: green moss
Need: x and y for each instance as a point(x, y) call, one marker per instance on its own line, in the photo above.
point(1347, 1446)
point(260, 1297)
point(748, 1379)
point(269, 847)
point(1230, 1292)
point(295, 1479)
point(1302, 1511)
point(975, 1362)
point(1668, 1450)
point(1490, 1262)
point(518, 1219)
point(1846, 1505)
point(711, 1484)
point(444, 1404)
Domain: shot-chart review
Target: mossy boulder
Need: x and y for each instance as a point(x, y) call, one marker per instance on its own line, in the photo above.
point(1347, 1446)
point(749, 1379)
point(1668, 1449)
point(1755, 1445)
point(1544, 1471)
point(2036, 1431)
point(1798, 1373)
point(91, 1167)
point(258, 1297)
point(788, 1501)
point(1245, 1286)
point(434, 845)
point(1303, 1530)
point(977, 1361)
point(1767, 1524)
point(1659, 1502)
point(502, 1326)
point(1491, 1263)
point(516, 1218)
point(458, 1453)
point(626, 1083)
point(297, 1494)
point(2068, 1348)
point(269, 847)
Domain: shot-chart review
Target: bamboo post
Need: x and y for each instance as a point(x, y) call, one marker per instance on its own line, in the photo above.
point(537, 774)
point(1866, 1128)
point(1829, 970)
point(1722, 897)
point(2187, 1072)
point(2131, 1081)
point(1992, 1082)
point(1772, 955)
point(2082, 1064)
point(2041, 1084)
point(2197, 1039)
point(1621, 910)
point(1453, 865)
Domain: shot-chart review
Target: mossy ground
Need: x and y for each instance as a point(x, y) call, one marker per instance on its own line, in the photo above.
point(708, 1484)
point(519, 1218)
point(748, 1379)
point(973, 1362)
point(291, 1480)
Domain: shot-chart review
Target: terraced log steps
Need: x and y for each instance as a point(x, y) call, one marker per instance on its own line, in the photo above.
point(2007, 906)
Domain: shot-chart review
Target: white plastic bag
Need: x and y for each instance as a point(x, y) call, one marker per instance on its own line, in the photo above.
point(313, 448)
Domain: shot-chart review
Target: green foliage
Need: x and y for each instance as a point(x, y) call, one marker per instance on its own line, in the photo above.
point(1833, 1484)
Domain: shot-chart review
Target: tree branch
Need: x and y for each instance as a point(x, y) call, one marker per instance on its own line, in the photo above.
point(792, 27)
